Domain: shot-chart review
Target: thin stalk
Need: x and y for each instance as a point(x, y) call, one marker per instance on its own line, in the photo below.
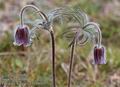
point(71, 62)
point(99, 31)
point(36, 9)
point(53, 58)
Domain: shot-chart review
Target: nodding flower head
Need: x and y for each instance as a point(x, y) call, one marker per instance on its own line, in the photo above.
point(99, 55)
point(22, 36)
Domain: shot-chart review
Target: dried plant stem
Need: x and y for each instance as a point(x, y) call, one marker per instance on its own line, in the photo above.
point(53, 58)
point(71, 62)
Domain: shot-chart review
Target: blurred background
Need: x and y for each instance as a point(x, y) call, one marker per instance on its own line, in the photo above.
point(31, 67)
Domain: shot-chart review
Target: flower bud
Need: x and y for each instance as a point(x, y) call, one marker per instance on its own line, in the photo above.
point(99, 55)
point(22, 36)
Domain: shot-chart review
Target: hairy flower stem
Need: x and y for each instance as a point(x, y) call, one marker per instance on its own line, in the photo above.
point(37, 11)
point(99, 31)
point(71, 62)
point(53, 58)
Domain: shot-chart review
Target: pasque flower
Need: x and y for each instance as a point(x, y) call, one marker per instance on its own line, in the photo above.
point(22, 36)
point(90, 31)
point(99, 55)
point(99, 50)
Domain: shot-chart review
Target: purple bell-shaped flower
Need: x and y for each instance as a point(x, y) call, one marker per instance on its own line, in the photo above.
point(22, 36)
point(99, 55)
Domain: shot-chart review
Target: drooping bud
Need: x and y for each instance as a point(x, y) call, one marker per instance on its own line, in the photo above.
point(22, 36)
point(99, 55)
